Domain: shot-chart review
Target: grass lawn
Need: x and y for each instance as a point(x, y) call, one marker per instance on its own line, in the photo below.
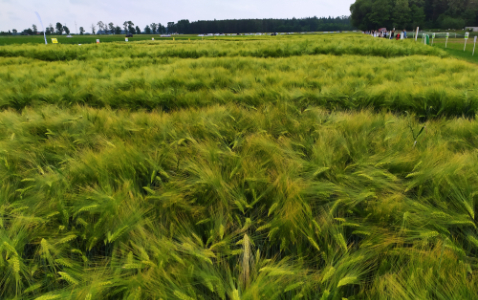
point(455, 47)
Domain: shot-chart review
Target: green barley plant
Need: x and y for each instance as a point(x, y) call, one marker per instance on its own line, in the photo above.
point(345, 83)
point(267, 46)
point(228, 202)
point(238, 177)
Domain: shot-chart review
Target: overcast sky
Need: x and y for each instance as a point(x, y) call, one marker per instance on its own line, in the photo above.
point(20, 14)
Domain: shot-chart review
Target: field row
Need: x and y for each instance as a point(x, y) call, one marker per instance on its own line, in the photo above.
point(112, 204)
point(227, 47)
point(88, 39)
point(428, 86)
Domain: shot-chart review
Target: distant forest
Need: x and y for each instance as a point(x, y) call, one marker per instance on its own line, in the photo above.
point(197, 27)
point(263, 25)
point(408, 14)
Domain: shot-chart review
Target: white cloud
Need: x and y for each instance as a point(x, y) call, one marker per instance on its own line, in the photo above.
point(20, 14)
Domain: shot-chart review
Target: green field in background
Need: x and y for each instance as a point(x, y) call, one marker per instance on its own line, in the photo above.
point(89, 39)
point(456, 47)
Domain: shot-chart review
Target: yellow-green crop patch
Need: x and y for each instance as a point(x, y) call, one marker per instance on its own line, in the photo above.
point(216, 170)
point(227, 47)
point(155, 77)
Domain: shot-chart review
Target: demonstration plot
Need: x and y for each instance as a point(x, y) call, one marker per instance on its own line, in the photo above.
point(265, 46)
point(300, 167)
point(423, 85)
point(154, 77)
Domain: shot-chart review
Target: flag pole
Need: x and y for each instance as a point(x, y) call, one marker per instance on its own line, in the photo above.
point(41, 23)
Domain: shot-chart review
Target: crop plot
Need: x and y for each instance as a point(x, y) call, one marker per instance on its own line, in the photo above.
point(314, 167)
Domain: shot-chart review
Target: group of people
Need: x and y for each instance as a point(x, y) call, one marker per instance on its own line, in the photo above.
point(388, 34)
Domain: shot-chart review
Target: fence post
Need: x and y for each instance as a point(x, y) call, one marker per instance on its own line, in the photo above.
point(416, 36)
point(474, 45)
point(467, 34)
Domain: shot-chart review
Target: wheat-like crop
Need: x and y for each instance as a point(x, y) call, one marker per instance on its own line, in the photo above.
point(347, 172)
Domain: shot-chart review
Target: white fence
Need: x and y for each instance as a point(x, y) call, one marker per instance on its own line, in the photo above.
point(441, 35)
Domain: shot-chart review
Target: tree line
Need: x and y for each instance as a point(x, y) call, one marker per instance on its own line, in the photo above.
point(99, 28)
point(409, 14)
point(262, 25)
point(198, 27)
point(128, 27)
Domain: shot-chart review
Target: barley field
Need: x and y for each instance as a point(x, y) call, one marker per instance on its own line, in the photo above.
point(305, 167)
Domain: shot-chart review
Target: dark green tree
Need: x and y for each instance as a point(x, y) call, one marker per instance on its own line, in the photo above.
point(147, 29)
point(361, 10)
point(27, 31)
point(59, 28)
point(111, 26)
point(138, 30)
point(161, 28)
point(448, 22)
point(101, 27)
point(82, 30)
point(381, 16)
point(445, 14)
point(417, 16)
point(182, 26)
point(125, 26)
point(130, 27)
point(66, 29)
point(171, 27)
point(401, 14)
point(154, 27)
